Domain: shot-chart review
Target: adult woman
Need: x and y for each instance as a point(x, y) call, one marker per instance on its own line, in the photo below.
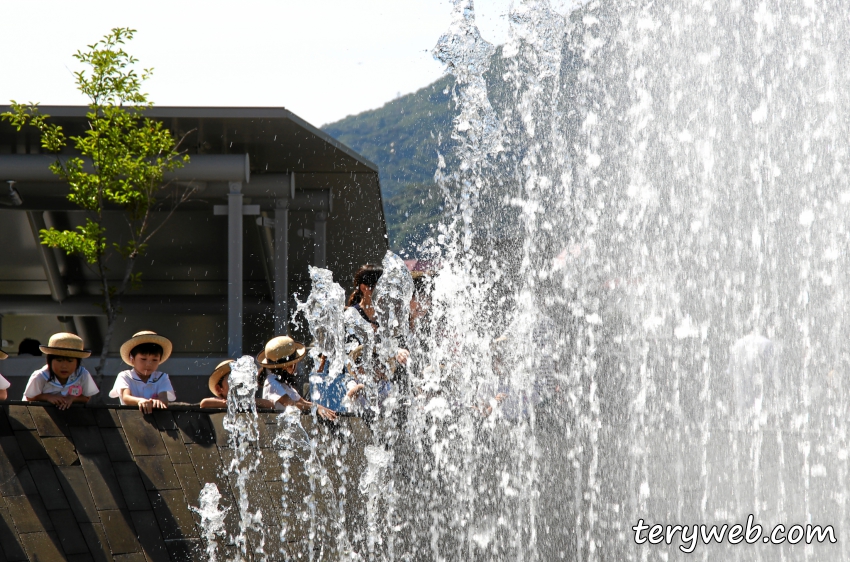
point(360, 299)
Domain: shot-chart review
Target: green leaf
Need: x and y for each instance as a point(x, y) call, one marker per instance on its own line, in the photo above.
point(123, 155)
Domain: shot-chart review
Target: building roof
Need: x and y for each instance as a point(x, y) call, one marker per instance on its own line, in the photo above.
point(184, 274)
point(276, 139)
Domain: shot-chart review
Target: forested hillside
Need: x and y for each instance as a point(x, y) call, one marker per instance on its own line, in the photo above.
point(403, 138)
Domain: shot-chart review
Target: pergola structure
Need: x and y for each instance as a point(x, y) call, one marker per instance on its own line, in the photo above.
point(273, 195)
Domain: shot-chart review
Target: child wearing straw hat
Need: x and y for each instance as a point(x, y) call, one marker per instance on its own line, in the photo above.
point(143, 385)
point(219, 386)
point(63, 380)
point(279, 358)
point(4, 384)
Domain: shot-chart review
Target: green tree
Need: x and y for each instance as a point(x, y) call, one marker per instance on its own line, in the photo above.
point(123, 157)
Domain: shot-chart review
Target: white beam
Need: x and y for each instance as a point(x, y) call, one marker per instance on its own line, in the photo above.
point(234, 270)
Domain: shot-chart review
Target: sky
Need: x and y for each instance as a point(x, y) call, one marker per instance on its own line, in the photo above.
point(321, 59)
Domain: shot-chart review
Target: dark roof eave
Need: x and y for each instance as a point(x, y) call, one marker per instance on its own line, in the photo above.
point(332, 141)
point(171, 112)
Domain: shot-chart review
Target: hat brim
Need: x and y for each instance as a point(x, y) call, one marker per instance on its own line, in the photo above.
point(216, 376)
point(300, 350)
point(162, 341)
point(64, 352)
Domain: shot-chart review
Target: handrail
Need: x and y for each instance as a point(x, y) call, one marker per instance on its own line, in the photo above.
point(173, 406)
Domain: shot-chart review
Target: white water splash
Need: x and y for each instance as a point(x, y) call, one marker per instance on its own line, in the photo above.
point(391, 300)
point(653, 181)
point(241, 423)
point(323, 311)
point(212, 518)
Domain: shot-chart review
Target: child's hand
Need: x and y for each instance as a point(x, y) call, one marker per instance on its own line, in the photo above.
point(326, 413)
point(61, 402)
point(402, 355)
point(147, 406)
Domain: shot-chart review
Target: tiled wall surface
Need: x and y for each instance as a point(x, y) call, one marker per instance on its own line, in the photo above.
point(111, 483)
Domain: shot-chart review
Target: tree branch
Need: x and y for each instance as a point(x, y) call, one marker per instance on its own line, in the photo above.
point(183, 198)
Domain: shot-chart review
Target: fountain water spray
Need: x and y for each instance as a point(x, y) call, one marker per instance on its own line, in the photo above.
point(391, 300)
point(673, 179)
point(319, 508)
point(323, 311)
point(212, 518)
point(640, 307)
point(241, 423)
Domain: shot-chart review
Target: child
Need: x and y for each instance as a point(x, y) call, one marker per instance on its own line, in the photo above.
point(63, 380)
point(143, 385)
point(4, 384)
point(279, 358)
point(219, 386)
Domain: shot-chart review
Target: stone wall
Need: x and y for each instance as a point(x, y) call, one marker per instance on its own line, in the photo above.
point(109, 483)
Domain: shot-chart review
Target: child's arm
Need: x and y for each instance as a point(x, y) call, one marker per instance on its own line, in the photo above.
point(352, 392)
point(222, 403)
point(303, 404)
point(216, 403)
point(4, 394)
point(263, 403)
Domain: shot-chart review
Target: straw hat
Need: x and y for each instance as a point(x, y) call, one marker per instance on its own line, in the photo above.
point(64, 344)
point(281, 352)
point(221, 369)
point(145, 336)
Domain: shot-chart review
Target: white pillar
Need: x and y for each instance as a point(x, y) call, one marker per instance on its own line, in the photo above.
point(281, 267)
point(320, 240)
point(234, 269)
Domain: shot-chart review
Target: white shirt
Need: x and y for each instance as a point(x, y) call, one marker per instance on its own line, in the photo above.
point(4, 384)
point(156, 383)
point(274, 389)
point(80, 383)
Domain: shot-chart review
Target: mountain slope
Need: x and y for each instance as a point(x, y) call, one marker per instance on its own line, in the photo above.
point(403, 138)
